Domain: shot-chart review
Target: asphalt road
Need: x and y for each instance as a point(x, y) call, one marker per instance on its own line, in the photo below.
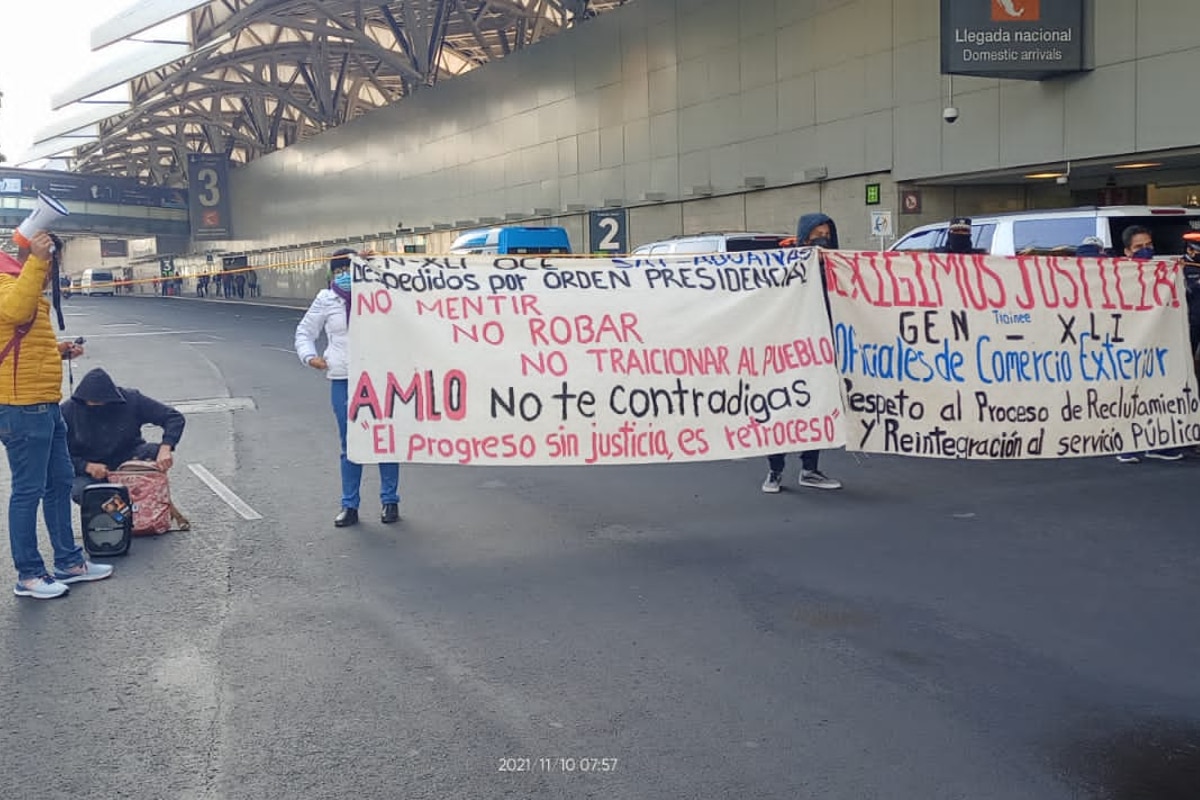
point(936, 630)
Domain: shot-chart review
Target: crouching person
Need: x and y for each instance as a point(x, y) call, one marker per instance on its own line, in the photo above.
point(104, 429)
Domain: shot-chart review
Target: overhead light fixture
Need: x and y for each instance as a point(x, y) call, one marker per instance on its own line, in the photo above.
point(1045, 175)
point(1139, 165)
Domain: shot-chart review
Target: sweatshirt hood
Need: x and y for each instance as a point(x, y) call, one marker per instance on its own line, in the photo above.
point(97, 387)
point(9, 265)
point(810, 221)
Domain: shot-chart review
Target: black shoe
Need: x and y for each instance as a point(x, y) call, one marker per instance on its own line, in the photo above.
point(348, 516)
point(391, 512)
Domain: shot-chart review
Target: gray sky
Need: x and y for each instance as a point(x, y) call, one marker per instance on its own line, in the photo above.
point(42, 57)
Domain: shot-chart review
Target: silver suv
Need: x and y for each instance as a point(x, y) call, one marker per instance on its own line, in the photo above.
point(713, 243)
point(1060, 231)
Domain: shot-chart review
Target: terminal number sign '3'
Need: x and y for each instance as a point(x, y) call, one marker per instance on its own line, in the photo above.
point(208, 206)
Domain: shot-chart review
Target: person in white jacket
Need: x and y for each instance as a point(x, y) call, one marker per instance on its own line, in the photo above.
point(330, 313)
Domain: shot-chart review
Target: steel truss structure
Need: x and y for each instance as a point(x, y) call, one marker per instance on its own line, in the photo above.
point(290, 69)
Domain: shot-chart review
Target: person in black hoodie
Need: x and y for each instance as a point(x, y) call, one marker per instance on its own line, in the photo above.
point(104, 429)
point(813, 230)
point(958, 237)
point(1191, 280)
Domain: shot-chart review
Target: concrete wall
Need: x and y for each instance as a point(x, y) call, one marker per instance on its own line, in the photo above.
point(1131, 102)
point(662, 96)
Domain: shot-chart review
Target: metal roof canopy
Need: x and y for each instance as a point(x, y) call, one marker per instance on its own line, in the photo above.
point(140, 18)
point(47, 149)
point(267, 74)
point(144, 58)
point(89, 116)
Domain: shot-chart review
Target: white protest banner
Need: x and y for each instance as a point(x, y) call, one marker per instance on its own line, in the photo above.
point(973, 356)
point(552, 360)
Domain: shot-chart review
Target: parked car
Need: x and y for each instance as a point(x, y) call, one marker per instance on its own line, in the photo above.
point(514, 239)
point(714, 243)
point(1060, 231)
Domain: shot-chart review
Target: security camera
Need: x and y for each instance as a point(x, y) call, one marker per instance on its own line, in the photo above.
point(1061, 180)
point(950, 114)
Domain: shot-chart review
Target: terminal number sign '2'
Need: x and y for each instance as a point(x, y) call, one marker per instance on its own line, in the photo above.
point(543, 360)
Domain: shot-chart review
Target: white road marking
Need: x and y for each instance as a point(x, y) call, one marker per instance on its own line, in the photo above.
point(224, 492)
point(142, 333)
point(201, 405)
point(289, 351)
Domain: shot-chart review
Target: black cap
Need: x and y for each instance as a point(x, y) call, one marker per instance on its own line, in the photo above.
point(340, 258)
point(960, 225)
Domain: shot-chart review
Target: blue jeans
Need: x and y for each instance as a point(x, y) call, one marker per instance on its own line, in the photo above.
point(808, 461)
point(389, 474)
point(35, 439)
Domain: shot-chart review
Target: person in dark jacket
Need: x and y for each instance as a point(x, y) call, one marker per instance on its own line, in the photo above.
point(1191, 279)
point(958, 237)
point(813, 230)
point(104, 429)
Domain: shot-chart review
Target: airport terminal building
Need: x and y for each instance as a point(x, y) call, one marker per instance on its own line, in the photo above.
point(666, 117)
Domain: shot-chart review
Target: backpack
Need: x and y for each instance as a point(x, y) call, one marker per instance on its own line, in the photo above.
point(150, 496)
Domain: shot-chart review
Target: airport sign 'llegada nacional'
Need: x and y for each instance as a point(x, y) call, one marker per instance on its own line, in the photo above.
point(1016, 39)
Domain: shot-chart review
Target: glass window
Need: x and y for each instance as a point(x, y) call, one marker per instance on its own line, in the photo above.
point(738, 244)
point(706, 245)
point(1051, 236)
point(926, 240)
point(1166, 230)
point(981, 237)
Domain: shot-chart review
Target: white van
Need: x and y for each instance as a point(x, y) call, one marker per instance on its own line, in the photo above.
point(717, 242)
point(97, 281)
point(1060, 231)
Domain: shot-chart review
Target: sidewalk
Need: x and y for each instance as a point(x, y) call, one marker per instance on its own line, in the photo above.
point(298, 303)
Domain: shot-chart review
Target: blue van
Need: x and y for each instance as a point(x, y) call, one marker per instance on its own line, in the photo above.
point(515, 239)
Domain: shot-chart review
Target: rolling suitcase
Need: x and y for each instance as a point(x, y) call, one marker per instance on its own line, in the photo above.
point(106, 518)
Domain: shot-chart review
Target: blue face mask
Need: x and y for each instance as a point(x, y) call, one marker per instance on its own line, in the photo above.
point(342, 281)
point(1145, 252)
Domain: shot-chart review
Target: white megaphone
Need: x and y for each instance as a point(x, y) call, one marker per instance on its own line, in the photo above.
point(45, 214)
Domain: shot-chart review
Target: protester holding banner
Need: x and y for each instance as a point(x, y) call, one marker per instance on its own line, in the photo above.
point(1191, 278)
point(1139, 243)
point(813, 230)
point(958, 237)
point(330, 314)
point(32, 427)
point(1090, 247)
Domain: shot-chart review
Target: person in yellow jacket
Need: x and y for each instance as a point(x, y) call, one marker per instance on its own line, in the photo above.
point(32, 428)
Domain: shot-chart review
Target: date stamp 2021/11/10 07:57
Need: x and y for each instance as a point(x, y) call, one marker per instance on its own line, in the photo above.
point(564, 764)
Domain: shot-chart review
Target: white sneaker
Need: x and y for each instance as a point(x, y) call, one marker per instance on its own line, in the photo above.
point(87, 571)
point(771, 484)
point(42, 588)
point(815, 479)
